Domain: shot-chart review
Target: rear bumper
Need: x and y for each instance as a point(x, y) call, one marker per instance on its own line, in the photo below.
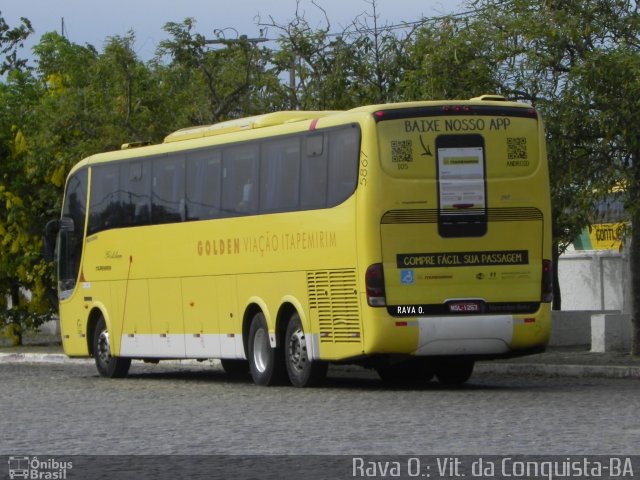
point(464, 335)
point(460, 335)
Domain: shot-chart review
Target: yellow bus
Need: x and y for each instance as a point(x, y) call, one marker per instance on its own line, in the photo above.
point(412, 238)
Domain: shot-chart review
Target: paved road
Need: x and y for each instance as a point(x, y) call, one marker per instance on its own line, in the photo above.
point(166, 409)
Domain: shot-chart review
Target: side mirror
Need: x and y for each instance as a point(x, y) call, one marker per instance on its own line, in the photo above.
point(49, 240)
point(51, 230)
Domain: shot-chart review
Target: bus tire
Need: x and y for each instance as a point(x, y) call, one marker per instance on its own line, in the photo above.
point(235, 368)
point(454, 371)
point(266, 364)
point(107, 365)
point(302, 371)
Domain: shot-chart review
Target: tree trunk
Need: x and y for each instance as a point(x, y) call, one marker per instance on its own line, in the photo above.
point(557, 297)
point(633, 204)
point(635, 276)
point(15, 296)
point(15, 329)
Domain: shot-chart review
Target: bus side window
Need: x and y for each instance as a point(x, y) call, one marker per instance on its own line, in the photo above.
point(204, 176)
point(279, 175)
point(240, 184)
point(168, 190)
point(135, 194)
point(105, 206)
point(314, 172)
point(344, 148)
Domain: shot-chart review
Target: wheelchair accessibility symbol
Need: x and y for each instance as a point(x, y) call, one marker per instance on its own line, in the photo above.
point(407, 277)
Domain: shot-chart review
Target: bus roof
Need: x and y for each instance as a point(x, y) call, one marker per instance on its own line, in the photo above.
point(247, 123)
point(280, 118)
point(275, 119)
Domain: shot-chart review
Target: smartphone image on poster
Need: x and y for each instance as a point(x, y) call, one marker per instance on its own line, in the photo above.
point(462, 186)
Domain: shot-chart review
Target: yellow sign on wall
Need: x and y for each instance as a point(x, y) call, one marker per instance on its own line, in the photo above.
point(606, 236)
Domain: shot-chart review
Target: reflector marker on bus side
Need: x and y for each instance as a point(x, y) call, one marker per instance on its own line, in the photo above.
point(524, 320)
point(406, 324)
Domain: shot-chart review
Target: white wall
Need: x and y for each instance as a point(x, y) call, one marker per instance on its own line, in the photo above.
point(593, 280)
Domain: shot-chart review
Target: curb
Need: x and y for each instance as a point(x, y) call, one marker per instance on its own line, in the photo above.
point(61, 358)
point(552, 370)
point(523, 369)
point(41, 358)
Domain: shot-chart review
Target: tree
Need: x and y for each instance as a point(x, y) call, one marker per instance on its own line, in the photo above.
point(127, 97)
point(382, 69)
point(617, 99)
point(316, 65)
point(215, 84)
point(541, 50)
point(81, 102)
point(360, 65)
point(11, 40)
point(16, 96)
point(450, 58)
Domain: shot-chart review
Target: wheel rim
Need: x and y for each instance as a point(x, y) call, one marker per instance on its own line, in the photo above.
point(104, 354)
point(261, 350)
point(297, 350)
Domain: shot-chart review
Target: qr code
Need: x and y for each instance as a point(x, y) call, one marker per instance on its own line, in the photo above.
point(516, 148)
point(401, 151)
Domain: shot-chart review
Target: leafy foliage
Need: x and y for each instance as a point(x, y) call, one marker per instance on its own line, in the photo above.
point(11, 40)
point(214, 84)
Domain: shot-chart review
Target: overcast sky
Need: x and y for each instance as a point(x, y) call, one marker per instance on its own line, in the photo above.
point(91, 21)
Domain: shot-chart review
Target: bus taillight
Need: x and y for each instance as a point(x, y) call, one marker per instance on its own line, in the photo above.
point(547, 281)
point(374, 280)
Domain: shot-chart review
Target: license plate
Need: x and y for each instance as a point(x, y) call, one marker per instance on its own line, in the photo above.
point(464, 307)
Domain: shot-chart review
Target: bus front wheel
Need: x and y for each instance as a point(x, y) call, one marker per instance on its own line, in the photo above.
point(107, 365)
point(266, 364)
point(302, 371)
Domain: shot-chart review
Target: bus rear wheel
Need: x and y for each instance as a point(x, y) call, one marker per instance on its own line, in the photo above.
point(454, 371)
point(302, 371)
point(266, 364)
point(107, 365)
